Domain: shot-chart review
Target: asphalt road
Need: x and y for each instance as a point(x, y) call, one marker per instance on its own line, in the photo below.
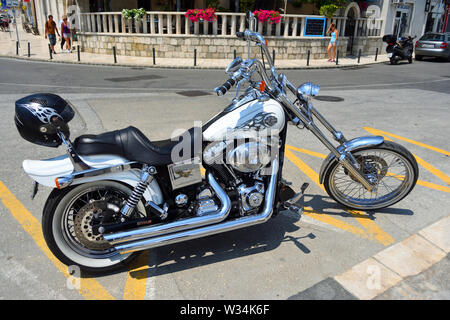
point(276, 260)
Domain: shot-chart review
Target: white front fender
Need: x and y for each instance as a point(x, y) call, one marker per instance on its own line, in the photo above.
point(45, 172)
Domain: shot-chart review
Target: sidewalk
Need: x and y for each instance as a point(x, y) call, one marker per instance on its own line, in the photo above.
point(40, 52)
point(413, 269)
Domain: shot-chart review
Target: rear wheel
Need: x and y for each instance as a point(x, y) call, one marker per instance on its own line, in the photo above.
point(393, 169)
point(419, 58)
point(67, 225)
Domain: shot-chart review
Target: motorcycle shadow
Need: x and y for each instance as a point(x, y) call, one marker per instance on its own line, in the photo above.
point(224, 247)
point(326, 205)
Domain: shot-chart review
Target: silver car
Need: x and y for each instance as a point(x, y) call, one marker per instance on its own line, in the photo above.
point(433, 45)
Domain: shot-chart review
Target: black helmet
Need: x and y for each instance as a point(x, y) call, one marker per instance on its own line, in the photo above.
point(40, 116)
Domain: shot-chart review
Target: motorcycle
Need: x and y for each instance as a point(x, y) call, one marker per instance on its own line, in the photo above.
point(4, 23)
point(117, 193)
point(399, 49)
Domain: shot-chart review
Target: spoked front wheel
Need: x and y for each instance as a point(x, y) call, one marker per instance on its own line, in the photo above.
point(393, 169)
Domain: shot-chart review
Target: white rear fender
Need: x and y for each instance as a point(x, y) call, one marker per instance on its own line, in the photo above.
point(45, 172)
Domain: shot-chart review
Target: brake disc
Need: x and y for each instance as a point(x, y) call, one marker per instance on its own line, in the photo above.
point(373, 167)
point(83, 223)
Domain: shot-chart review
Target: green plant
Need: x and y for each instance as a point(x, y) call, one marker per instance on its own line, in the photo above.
point(136, 13)
point(328, 10)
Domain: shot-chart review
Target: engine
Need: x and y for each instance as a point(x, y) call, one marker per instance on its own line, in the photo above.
point(243, 163)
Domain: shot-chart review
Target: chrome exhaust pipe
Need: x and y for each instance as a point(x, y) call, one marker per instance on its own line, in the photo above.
point(210, 229)
point(162, 229)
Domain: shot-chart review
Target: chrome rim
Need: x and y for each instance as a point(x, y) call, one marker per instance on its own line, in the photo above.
point(392, 173)
point(80, 201)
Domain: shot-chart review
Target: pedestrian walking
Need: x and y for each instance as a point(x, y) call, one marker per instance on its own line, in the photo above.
point(50, 30)
point(65, 30)
point(333, 42)
point(63, 41)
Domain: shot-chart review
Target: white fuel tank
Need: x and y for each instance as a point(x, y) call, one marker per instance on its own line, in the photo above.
point(261, 118)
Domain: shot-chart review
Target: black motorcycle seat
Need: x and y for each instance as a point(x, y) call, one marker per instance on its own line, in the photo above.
point(130, 143)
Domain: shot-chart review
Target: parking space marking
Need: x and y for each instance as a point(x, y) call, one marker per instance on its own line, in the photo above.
point(384, 133)
point(422, 183)
point(309, 152)
point(310, 212)
point(89, 288)
point(420, 161)
point(137, 278)
point(371, 228)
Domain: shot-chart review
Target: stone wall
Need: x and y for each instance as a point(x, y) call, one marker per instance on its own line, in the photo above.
point(212, 47)
point(368, 45)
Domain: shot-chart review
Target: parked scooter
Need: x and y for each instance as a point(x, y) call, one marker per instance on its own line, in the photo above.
point(4, 23)
point(399, 49)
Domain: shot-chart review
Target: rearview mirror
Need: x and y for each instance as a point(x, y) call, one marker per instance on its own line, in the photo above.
point(234, 65)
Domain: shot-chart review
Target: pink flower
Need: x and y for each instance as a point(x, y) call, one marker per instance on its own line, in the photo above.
point(267, 15)
point(205, 14)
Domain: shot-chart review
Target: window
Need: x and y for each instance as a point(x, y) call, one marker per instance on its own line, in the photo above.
point(433, 37)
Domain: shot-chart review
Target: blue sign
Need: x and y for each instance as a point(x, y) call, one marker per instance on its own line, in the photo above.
point(315, 27)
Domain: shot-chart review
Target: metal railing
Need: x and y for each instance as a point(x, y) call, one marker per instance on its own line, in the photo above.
point(226, 24)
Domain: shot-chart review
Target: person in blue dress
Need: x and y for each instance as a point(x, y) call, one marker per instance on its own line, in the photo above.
point(333, 42)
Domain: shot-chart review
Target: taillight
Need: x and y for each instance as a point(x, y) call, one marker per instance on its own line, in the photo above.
point(390, 43)
point(417, 44)
point(443, 45)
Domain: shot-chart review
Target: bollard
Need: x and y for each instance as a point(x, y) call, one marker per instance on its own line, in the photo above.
point(195, 57)
point(359, 55)
point(29, 50)
point(234, 53)
point(115, 55)
point(78, 53)
point(17, 48)
point(307, 58)
point(337, 57)
point(273, 56)
point(50, 50)
point(376, 54)
point(154, 57)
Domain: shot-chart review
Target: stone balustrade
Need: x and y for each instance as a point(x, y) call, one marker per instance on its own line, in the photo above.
point(172, 35)
point(226, 24)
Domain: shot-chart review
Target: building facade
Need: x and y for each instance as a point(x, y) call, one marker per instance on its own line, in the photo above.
point(414, 17)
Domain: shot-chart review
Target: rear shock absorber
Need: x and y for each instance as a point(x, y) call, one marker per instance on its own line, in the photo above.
point(138, 191)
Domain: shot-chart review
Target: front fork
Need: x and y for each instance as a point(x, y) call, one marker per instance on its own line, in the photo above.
point(342, 154)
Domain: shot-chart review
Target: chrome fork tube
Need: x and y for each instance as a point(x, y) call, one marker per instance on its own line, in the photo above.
point(343, 158)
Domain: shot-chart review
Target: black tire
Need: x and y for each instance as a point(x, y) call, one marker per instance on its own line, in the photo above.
point(394, 61)
point(419, 58)
point(386, 145)
point(54, 237)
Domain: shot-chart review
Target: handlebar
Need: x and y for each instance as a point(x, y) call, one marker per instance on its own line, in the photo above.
point(221, 90)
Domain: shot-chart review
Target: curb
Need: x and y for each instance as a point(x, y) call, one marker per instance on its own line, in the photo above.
point(355, 66)
point(372, 277)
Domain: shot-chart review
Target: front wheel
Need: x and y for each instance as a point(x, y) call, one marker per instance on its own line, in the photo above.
point(391, 166)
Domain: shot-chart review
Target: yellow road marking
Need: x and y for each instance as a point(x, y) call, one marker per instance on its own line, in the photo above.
point(422, 183)
point(308, 211)
point(379, 132)
point(89, 288)
point(419, 160)
point(309, 152)
point(375, 232)
point(304, 167)
point(137, 278)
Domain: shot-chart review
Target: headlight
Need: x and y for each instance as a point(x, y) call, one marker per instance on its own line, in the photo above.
point(309, 89)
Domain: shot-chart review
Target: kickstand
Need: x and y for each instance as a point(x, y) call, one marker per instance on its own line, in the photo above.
point(296, 203)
